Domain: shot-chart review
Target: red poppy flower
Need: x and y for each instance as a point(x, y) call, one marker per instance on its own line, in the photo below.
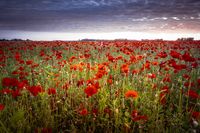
point(147, 65)
point(134, 113)
point(196, 115)
point(167, 79)
point(179, 67)
point(164, 92)
point(107, 110)
point(6, 91)
point(162, 54)
point(136, 117)
point(125, 69)
point(1, 52)
point(29, 62)
point(165, 89)
point(188, 84)
point(151, 75)
point(1, 107)
point(80, 82)
point(186, 57)
point(131, 94)
point(109, 81)
point(35, 90)
point(175, 54)
point(135, 72)
point(17, 56)
point(186, 76)
point(94, 111)
point(72, 58)
point(83, 112)
point(16, 93)
point(198, 80)
point(110, 58)
point(192, 94)
point(98, 75)
point(141, 117)
point(8, 82)
point(15, 72)
point(90, 90)
point(22, 84)
point(194, 65)
point(42, 53)
point(51, 91)
point(155, 63)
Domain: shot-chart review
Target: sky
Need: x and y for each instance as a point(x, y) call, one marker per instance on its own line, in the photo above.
point(99, 19)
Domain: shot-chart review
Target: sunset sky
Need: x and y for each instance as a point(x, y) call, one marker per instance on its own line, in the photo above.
point(99, 19)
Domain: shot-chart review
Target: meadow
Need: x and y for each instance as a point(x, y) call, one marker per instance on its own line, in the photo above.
point(100, 86)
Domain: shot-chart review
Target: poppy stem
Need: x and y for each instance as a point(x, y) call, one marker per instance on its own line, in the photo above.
point(3, 127)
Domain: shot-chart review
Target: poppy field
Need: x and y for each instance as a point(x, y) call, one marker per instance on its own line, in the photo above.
point(100, 86)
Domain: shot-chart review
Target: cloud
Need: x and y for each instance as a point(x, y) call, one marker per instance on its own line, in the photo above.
point(98, 15)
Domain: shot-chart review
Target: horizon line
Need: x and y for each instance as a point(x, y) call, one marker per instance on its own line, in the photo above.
point(50, 36)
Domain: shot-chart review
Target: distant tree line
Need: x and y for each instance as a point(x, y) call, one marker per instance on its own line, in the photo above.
point(179, 39)
point(186, 39)
point(14, 40)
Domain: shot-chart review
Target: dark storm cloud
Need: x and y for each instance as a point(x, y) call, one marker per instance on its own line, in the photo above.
point(99, 15)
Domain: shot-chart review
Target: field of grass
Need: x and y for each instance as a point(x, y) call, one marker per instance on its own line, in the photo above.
point(100, 86)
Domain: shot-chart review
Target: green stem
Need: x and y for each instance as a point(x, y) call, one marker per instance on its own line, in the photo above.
point(4, 128)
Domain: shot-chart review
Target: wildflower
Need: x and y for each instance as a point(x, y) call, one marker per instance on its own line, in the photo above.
point(192, 94)
point(51, 91)
point(186, 76)
point(196, 115)
point(94, 111)
point(135, 72)
point(175, 54)
point(42, 53)
point(167, 79)
point(110, 58)
point(90, 90)
point(9, 82)
point(1, 107)
point(151, 75)
point(35, 90)
point(16, 93)
point(6, 91)
point(186, 57)
point(134, 113)
point(80, 82)
point(141, 117)
point(147, 65)
point(107, 110)
point(83, 112)
point(178, 67)
point(29, 62)
point(136, 117)
point(188, 84)
point(109, 81)
point(17, 56)
point(163, 98)
point(164, 92)
point(22, 84)
point(125, 69)
point(131, 94)
point(165, 89)
point(198, 80)
point(162, 55)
